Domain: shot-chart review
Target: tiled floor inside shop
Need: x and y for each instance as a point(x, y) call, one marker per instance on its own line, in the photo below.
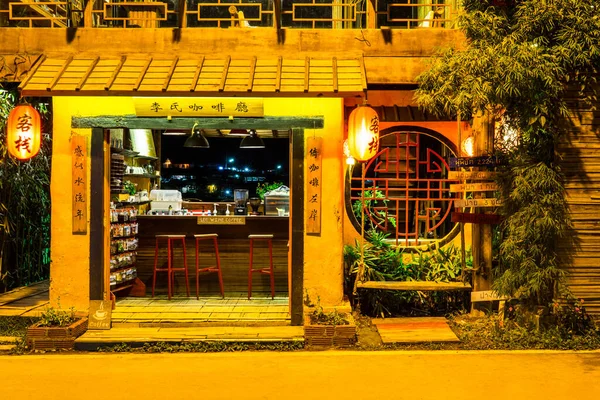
point(233, 308)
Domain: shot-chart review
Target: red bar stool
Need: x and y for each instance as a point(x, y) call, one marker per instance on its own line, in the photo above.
point(216, 268)
point(171, 239)
point(267, 271)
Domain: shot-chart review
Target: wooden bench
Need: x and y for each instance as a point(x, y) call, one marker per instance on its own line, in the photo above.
point(414, 285)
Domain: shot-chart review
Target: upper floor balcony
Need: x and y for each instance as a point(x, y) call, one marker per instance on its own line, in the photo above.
point(307, 14)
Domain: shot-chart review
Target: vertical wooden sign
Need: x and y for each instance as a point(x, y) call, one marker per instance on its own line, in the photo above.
point(79, 183)
point(313, 200)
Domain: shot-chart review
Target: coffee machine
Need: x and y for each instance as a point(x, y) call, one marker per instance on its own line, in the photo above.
point(240, 196)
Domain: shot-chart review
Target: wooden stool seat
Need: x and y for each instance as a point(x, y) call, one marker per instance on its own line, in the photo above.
point(170, 270)
point(213, 268)
point(267, 271)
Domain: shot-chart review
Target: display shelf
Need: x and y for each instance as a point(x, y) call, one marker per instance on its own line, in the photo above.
point(124, 152)
point(123, 267)
point(131, 203)
point(123, 237)
point(142, 157)
point(121, 286)
point(118, 253)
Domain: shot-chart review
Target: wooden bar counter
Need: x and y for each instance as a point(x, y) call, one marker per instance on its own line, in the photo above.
point(234, 251)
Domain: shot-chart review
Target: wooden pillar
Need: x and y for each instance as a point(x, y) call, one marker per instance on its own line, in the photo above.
point(483, 132)
point(88, 20)
point(371, 14)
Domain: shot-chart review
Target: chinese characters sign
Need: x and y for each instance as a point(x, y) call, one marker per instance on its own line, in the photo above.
point(314, 179)
point(198, 107)
point(79, 183)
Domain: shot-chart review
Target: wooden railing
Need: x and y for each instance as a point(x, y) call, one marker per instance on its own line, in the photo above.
point(311, 14)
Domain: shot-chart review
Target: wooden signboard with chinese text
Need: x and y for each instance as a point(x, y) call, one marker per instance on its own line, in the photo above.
point(199, 107)
point(475, 175)
point(485, 161)
point(314, 178)
point(478, 203)
point(79, 183)
point(221, 220)
point(471, 218)
point(100, 314)
point(474, 187)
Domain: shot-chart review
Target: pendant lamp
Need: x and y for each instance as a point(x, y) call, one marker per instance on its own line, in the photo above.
point(197, 139)
point(363, 133)
point(252, 141)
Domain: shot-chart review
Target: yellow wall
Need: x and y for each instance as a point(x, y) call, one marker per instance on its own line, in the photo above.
point(69, 273)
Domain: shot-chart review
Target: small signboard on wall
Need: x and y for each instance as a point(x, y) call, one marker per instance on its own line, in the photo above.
point(100, 314)
point(79, 183)
point(314, 178)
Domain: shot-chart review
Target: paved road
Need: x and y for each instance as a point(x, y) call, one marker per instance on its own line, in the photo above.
point(304, 375)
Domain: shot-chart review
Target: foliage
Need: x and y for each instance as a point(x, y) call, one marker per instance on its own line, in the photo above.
point(204, 347)
point(24, 205)
point(372, 198)
point(384, 262)
point(54, 317)
point(318, 316)
point(13, 326)
point(517, 64)
point(130, 187)
point(263, 188)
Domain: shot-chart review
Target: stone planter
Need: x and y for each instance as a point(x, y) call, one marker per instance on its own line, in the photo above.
point(329, 335)
point(55, 337)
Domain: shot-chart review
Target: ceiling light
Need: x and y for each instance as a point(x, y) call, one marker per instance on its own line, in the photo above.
point(252, 141)
point(197, 139)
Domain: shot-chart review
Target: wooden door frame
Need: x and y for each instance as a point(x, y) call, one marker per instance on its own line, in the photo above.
point(98, 208)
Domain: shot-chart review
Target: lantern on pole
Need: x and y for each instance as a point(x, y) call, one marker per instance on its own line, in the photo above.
point(23, 132)
point(363, 133)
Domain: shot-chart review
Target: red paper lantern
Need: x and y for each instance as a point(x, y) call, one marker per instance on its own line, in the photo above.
point(363, 133)
point(23, 132)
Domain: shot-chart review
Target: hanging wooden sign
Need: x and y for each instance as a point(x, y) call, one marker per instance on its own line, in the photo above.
point(474, 175)
point(474, 187)
point(471, 218)
point(485, 161)
point(79, 183)
point(486, 295)
point(199, 106)
point(314, 178)
point(478, 203)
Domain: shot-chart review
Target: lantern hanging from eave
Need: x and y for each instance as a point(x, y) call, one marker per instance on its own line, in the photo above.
point(23, 132)
point(363, 133)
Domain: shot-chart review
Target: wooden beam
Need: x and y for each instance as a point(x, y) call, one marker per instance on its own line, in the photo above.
point(410, 112)
point(296, 271)
point(225, 71)
point(334, 72)
point(170, 74)
point(97, 225)
point(278, 76)
point(414, 285)
point(133, 122)
point(115, 73)
point(275, 133)
point(251, 73)
point(396, 113)
point(306, 73)
point(197, 74)
point(87, 73)
point(60, 72)
point(140, 78)
point(36, 65)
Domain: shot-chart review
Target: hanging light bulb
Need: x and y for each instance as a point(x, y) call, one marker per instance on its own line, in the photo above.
point(252, 141)
point(197, 139)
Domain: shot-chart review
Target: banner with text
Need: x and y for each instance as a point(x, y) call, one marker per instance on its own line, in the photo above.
point(314, 179)
point(199, 107)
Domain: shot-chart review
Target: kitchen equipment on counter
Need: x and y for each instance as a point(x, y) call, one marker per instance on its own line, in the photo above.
point(161, 200)
point(254, 205)
point(240, 196)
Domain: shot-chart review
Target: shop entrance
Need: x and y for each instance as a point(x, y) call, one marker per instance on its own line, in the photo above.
point(286, 307)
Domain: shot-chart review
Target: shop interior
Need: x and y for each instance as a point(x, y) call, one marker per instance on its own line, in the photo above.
point(187, 210)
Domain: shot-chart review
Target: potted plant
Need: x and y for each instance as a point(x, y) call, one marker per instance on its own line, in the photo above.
point(332, 328)
point(56, 329)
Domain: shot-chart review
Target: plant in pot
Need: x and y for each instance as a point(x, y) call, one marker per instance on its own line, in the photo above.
point(56, 329)
point(332, 328)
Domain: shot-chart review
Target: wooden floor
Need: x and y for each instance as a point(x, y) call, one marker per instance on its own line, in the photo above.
point(414, 330)
point(238, 309)
point(27, 301)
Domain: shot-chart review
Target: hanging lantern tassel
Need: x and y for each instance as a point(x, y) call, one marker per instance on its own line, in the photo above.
point(363, 133)
point(23, 132)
